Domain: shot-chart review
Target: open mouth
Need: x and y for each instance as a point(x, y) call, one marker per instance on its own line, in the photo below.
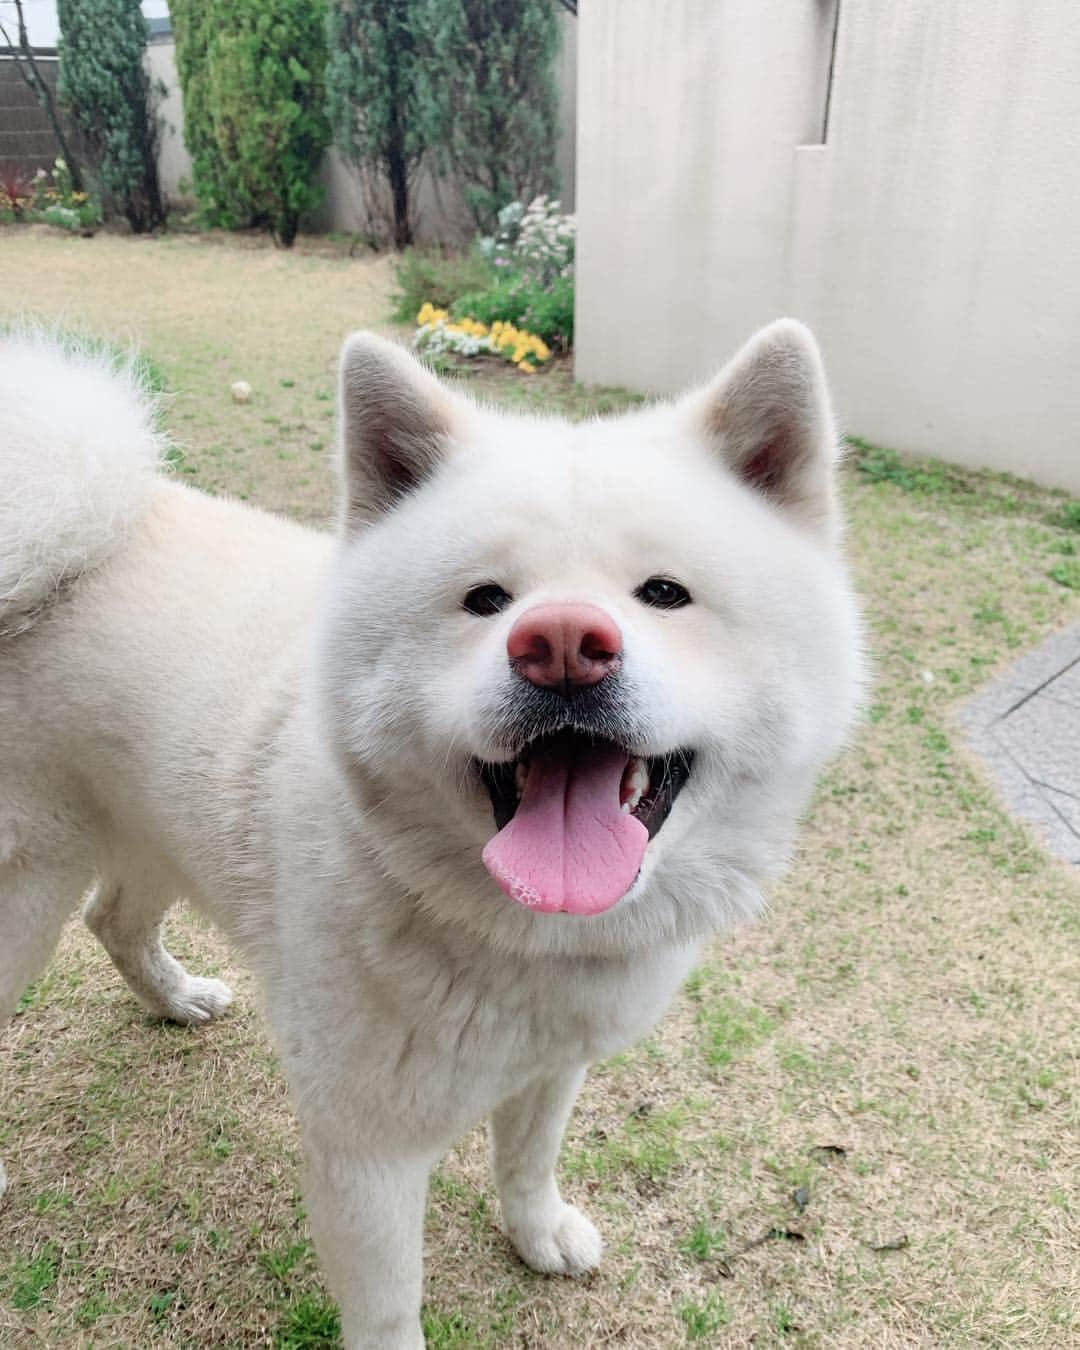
point(574, 815)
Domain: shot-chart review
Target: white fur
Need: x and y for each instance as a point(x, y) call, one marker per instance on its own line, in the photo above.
point(78, 453)
point(283, 728)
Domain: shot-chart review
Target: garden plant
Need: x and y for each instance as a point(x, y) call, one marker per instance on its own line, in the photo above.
point(252, 74)
point(111, 99)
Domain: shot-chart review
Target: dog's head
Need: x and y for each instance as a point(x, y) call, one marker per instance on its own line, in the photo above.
point(605, 660)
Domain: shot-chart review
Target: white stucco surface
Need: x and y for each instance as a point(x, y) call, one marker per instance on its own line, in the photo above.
point(174, 162)
point(932, 241)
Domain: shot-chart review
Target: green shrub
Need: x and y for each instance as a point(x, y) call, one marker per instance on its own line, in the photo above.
point(547, 311)
point(504, 300)
point(532, 260)
point(439, 278)
point(489, 85)
point(252, 76)
point(108, 93)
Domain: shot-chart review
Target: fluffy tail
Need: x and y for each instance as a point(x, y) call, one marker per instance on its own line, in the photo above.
point(78, 452)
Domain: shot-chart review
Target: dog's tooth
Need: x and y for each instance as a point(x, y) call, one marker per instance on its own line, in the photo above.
point(520, 775)
point(635, 784)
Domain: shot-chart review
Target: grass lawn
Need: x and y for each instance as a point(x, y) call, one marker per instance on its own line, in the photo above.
point(857, 1128)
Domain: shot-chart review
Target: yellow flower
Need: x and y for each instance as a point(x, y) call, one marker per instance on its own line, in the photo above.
point(526, 368)
point(429, 314)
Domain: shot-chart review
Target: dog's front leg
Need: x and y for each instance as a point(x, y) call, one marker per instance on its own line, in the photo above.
point(367, 1218)
point(550, 1235)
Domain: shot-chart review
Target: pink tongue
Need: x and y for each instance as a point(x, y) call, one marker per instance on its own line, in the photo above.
point(570, 846)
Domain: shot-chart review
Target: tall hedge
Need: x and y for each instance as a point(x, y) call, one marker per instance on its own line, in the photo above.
point(107, 90)
point(490, 67)
point(377, 95)
point(252, 77)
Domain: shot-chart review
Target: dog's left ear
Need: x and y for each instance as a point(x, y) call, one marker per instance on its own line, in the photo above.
point(397, 424)
point(768, 416)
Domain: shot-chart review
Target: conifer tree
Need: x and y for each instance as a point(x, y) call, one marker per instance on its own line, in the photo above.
point(489, 72)
point(110, 99)
point(252, 75)
point(377, 97)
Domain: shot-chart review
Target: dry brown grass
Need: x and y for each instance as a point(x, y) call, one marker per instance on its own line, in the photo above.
point(858, 1128)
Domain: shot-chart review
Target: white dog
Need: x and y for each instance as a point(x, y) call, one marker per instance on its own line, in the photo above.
point(468, 784)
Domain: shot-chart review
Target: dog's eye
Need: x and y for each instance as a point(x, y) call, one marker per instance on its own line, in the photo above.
point(486, 600)
point(662, 593)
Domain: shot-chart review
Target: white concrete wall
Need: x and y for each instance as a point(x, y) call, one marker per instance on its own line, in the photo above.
point(174, 162)
point(933, 243)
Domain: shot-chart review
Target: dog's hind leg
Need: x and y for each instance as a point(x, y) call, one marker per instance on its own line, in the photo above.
point(126, 920)
point(36, 896)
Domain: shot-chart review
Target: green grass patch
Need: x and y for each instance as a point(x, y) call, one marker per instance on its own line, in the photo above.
point(649, 1147)
point(703, 1242)
point(31, 1278)
point(1066, 574)
point(312, 1322)
point(704, 1318)
point(730, 1028)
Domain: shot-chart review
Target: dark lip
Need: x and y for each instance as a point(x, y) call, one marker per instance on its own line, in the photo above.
point(528, 715)
point(668, 775)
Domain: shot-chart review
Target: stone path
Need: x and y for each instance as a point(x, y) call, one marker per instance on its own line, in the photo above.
point(1027, 725)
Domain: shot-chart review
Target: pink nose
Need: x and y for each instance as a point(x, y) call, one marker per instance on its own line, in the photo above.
point(563, 644)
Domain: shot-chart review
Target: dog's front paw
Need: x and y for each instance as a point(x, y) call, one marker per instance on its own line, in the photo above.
point(192, 1001)
point(568, 1246)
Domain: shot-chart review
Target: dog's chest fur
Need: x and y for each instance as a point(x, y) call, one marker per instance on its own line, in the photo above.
point(447, 1032)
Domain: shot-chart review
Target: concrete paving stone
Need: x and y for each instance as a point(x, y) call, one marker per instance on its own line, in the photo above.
point(1026, 727)
point(1066, 686)
point(1043, 735)
point(1066, 806)
point(1036, 806)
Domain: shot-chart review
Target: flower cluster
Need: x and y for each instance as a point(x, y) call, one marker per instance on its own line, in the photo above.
point(536, 239)
point(49, 196)
point(54, 187)
point(438, 333)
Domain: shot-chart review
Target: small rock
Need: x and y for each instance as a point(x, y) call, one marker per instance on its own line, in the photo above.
point(927, 677)
point(241, 392)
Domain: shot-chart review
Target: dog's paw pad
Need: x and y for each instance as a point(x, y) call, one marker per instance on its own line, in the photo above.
point(196, 1001)
point(571, 1247)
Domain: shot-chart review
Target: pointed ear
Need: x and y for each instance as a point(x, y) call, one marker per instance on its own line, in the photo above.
point(767, 414)
point(397, 422)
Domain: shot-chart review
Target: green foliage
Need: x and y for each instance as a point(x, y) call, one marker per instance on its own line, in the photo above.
point(490, 95)
point(880, 465)
point(31, 1279)
point(439, 278)
point(1067, 574)
point(1069, 518)
point(531, 276)
point(378, 98)
point(703, 1320)
point(311, 1323)
point(252, 75)
point(547, 311)
point(108, 93)
point(55, 200)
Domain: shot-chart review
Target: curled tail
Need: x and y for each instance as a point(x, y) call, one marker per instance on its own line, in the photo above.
point(78, 453)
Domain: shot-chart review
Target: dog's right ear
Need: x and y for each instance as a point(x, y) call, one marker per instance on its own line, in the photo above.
point(397, 423)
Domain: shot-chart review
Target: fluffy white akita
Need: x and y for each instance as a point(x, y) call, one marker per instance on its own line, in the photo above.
point(469, 784)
